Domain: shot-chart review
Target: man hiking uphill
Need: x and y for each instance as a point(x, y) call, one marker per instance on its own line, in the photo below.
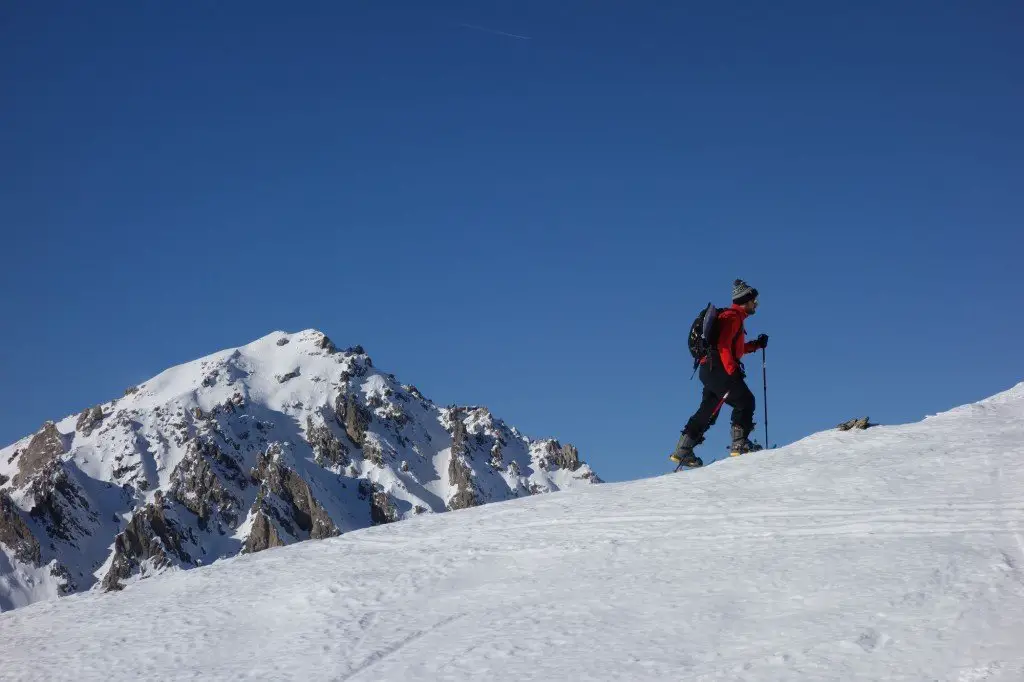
point(721, 372)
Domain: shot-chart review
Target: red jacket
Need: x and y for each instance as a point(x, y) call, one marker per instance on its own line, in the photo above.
point(732, 340)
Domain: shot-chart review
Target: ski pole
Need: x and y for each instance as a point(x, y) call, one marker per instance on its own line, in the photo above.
point(720, 403)
point(764, 381)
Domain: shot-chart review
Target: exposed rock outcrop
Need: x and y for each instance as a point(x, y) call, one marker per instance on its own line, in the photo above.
point(285, 497)
point(326, 344)
point(44, 448)
point(382, 510)
point(563, 456)
point(460, 475)
point(373, 452)
point(353, 417)
point(150, 542)
point(458, 430)
point(59, 503)
point(198, 483)
point(281, 378)
point(327, 449)
point(263, 534)
point(89, 420)
point(857, 423)
point(15, 534)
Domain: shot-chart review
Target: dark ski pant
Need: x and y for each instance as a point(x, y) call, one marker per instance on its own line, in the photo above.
point(716, 384)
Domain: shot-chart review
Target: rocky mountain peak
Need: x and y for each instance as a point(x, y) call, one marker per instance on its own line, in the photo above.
point(286, 439)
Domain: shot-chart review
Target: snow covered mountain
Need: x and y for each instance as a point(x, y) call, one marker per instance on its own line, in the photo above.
point(890, 553)
point(285, 439)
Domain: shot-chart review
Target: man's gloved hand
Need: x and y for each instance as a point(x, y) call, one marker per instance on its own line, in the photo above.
point(762, 341)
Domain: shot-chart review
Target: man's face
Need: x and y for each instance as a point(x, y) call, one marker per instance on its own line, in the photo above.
point(751, 307)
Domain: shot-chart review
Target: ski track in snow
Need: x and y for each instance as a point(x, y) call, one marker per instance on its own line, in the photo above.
point(893, 553)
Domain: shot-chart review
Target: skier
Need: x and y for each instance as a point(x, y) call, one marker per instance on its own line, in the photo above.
point(721, 372)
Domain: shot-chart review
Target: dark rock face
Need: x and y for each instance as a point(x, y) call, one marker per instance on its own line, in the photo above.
point(497, 460)
point(15, 534)
point(44, 448)
point(197, 483)
point(353, 417)
point(327, 449)
point(460, 475)
point(382, 510)
point(326, 344)
point(459, 446)
point(88, 420)
point(286, 377)
point(285, 498)
point(63, 575)
point(150, 536)
point(563, 456)
point(262, 536)
point(56, 499)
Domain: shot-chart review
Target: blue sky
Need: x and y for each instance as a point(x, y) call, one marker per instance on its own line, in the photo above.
point(527, 223)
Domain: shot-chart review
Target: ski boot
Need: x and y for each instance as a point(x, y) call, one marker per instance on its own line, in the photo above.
point(683, 455)
point(741, 445)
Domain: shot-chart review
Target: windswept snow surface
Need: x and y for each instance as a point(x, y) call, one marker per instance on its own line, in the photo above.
point(892, 553)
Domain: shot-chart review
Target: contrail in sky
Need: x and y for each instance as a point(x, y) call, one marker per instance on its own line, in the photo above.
point(497, 33)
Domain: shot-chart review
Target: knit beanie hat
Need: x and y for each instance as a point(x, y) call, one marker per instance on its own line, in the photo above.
point(742, 292)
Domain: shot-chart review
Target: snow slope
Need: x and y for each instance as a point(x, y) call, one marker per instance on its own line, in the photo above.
point(285, 439)
point(891, 553)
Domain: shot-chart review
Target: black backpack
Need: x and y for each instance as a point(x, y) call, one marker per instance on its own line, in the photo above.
point(703, 334)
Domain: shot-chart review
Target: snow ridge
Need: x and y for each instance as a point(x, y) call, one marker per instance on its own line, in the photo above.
point(890, 553)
